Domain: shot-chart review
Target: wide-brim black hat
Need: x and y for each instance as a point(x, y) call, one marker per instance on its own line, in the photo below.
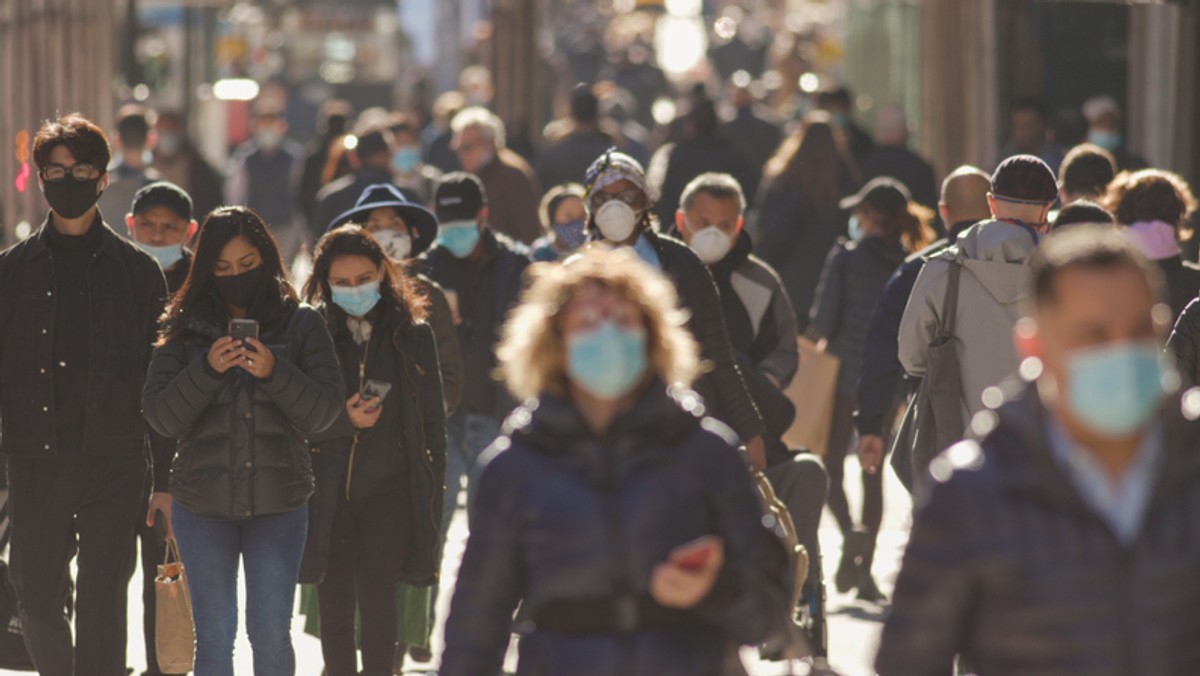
point(420, 221)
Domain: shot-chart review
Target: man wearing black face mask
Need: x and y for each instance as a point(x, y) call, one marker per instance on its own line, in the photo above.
point(78, 317)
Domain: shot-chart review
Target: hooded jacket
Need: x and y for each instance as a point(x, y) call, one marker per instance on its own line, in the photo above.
point(1008, 566)
point(995, 258)
point(562, 515)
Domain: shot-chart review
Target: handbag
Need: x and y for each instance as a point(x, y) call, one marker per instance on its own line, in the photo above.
point(812, 392)
point(933, 421)
point(175, 635)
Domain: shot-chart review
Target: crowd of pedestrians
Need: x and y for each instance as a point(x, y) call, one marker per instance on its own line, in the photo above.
point(605, 355)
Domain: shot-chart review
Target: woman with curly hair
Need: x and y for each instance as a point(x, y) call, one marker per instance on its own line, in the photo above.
point(1153, 205)
point(617, 513)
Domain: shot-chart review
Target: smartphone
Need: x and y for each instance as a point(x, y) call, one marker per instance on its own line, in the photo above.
point(694, 555)
point(240, 329)
point(375, 391)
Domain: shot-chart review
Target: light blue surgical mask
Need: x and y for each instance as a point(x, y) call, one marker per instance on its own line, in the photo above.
point(406, 158)
point(165, 255)
point(608, 361)
point(357, 301)
point(1109, 140)
point(1114, 390)
point(459, 237)
point(854, 228)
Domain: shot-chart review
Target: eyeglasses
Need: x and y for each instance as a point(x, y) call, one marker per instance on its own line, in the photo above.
point(629, 196)
point(56, 173)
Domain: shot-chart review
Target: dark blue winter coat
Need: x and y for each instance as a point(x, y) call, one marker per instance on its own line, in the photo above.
point(564, 516)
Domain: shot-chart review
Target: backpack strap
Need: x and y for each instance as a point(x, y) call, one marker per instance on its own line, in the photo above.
point(950, 302)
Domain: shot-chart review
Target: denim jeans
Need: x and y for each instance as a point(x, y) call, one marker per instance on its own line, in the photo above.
point(467, 435)
point(270, 548)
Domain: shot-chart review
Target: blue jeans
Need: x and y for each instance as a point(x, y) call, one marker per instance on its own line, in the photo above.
point(467, 435)
point(270, 548)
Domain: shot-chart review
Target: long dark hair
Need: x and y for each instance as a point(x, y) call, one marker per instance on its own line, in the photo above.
point(397, 288)
point(198, 298)
point(909, 225)
point(811, 162)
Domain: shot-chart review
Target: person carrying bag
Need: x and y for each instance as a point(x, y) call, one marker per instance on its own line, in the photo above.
point(175, 635)
point(933, 420)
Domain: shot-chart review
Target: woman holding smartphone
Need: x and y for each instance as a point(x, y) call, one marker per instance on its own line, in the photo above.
point(387, 447)
point(241, 409)
point(621, 518)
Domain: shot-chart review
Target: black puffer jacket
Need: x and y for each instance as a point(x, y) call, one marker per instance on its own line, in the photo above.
point(243, 449)
point(1007, 566)
point(405, 450)
point(562, 516)
point(851, 284)
point(723, 388)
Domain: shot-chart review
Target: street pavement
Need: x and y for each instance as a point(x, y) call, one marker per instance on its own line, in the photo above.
point(854, 626)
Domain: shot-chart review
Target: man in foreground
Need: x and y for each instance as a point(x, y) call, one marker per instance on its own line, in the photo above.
point(1067, 539)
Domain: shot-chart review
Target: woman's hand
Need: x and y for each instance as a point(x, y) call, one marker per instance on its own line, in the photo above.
point(674, 585)
point(224, 354)
point(257, 360)
point(364, 413)
point(160, 503)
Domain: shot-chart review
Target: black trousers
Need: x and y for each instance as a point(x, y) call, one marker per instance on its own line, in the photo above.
point(841, 436)
point(368, 541)
point(60, 506)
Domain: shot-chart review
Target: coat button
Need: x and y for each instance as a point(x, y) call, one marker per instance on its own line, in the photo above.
point(45, 408)
point(43, 371)
point(49, 293)
point(248, 513)
point(247, 415)
point(249, 464)
point(47, 447)
point(43, 332)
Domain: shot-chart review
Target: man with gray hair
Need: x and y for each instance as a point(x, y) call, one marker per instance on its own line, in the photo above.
point(513, 193)
point(892, 157)
point(762, 334)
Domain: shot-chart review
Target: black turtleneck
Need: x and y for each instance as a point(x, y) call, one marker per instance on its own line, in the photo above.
point(72, 256)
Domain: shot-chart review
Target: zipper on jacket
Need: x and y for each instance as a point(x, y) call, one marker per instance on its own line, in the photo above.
point(362, 374)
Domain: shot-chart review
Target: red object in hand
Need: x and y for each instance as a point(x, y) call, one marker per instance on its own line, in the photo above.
point(694, 555)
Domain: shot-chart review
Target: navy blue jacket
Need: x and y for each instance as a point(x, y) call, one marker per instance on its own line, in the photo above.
point(562, 515)
point(880, 370)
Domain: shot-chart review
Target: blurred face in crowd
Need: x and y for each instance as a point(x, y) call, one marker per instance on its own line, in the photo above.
point(389, 229)
point(269, 131)
point(617, 209)
point(159, 226)
point(474, 150)
point(605, 339)
point(1093, 312)
point(170, 136)
point(1028, 130)
point(569, 210)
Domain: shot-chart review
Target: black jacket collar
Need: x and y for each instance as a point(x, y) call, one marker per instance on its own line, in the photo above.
point(110, 243)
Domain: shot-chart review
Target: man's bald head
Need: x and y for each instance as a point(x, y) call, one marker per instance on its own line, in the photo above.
point(964, 196)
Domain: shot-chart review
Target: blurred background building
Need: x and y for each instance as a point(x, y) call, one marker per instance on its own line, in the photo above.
point(957, 67)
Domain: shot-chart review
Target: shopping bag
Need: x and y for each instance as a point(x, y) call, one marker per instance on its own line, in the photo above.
point(175, 636)
point(812, 392)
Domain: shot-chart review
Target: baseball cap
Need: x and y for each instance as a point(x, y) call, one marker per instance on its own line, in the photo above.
point(459, 197)
point(1026, 178)
point(883, 193)
point(163, 194)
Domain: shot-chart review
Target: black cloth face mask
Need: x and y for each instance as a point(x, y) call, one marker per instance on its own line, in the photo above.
point(240, 290)
point(70, 198)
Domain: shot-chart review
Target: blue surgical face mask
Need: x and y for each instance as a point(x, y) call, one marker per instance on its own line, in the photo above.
point(406, 158)
point(1114, 390)
point(1109, 140)
point(608, 361)
point(165, 255)
point(357, 301)
point(571, 234)
point(854, 228)
point(459, 237)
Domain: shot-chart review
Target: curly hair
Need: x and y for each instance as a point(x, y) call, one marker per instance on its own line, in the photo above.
point(532, 351)
point(1150, 195)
